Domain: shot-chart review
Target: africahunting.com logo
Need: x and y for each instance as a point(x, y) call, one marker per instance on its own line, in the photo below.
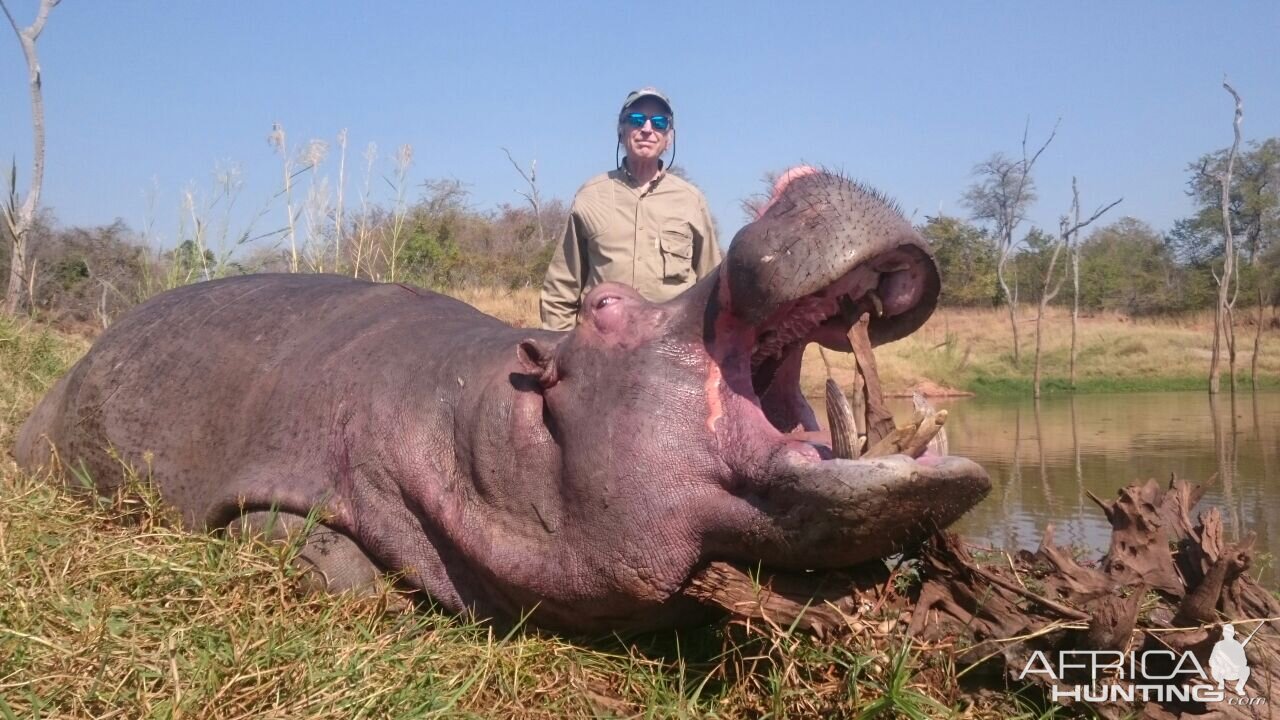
point(1158, 675)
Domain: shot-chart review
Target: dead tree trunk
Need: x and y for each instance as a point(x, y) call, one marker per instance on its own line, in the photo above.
point(1009, 224)
point(1257, 344)
point(1222, 320)
point(1067, 232)
point(1003, 197)
point(20, 218)
point(1047, 296)
point(1075, 303)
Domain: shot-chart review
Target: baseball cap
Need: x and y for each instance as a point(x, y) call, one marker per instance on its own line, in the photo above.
point(636, 95)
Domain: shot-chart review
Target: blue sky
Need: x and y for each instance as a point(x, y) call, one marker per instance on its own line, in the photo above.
point(907, 97)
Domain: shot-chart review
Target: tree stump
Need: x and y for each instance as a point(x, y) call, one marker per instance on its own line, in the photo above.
point(1165, 584)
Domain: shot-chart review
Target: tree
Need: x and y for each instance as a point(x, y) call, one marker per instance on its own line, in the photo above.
point(967, 258)
point(1254, 196)
point(20, 217)
point(1001, 195)
point(1034, 255)
point(1069, 227)
point(1128, 267)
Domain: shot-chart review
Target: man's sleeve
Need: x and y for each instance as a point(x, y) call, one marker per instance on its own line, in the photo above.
point(707, 248)
point(562, 285)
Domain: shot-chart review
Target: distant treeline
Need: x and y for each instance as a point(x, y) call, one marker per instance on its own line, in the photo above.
point(1125, 267)
point(88, 276)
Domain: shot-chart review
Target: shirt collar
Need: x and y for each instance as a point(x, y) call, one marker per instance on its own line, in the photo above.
point(631, 180)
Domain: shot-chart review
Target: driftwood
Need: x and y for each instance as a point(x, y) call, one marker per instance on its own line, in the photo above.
point(1165, 584)
point(818, 603)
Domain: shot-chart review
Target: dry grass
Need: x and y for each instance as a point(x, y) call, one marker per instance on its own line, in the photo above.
point(515, 307)
point(107, 611)
point(972, 349)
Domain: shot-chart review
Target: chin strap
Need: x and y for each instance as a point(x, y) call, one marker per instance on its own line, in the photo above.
point(617, 156)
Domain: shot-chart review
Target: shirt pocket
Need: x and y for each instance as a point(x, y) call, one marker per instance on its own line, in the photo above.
point(676, 244)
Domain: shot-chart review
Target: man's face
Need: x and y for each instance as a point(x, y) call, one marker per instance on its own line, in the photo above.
point(646, 142)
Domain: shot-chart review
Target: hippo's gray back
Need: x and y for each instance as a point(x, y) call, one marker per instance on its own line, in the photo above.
point(247, 380)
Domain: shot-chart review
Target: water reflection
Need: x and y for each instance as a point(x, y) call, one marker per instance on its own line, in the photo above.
point(1097, 443)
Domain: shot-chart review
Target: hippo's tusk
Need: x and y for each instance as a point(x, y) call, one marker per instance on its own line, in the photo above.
point(911, 439)
point(925, 434)
point(879, 421)
point(877, 302)
point(859, 400)
point(844, 428)
point(938, 444)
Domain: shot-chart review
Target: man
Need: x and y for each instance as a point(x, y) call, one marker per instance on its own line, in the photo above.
point(638, 225)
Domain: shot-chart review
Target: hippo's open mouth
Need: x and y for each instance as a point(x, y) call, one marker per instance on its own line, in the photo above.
point(798, 277)
point(883, 289)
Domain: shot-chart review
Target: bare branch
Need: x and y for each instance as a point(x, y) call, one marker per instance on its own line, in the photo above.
point(1102, 210)
point(533, 197)
point(1069, 234)
point(13, 23)
point(41, 16)
point(1052, 134)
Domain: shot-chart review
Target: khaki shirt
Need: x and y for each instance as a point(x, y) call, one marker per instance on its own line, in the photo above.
point(658, 238)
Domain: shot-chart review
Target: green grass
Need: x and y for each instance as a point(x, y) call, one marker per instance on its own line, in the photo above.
point(108, 611)
point(1016, 386)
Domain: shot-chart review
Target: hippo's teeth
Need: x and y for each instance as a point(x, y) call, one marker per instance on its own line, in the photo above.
point(937, 441)
point(845, 441)
point(799, 320)
point(877, 302)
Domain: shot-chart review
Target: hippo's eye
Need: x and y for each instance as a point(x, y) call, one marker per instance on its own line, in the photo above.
point(607, 300)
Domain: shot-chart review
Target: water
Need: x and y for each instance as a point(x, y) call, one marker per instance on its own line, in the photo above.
point(1044, 457)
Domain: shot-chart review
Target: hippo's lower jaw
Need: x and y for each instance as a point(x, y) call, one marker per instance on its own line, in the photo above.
point(813, 511)
point(852, 511)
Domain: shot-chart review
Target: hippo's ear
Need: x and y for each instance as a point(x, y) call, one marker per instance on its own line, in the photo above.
point(538, 358)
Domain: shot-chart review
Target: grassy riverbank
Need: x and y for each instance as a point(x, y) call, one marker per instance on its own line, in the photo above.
point(107, 611)
point(972, 350)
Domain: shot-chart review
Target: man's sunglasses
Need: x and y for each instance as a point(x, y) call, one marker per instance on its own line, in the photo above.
point(660, 122)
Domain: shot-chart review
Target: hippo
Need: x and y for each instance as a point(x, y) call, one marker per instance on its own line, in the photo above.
point(577, 479)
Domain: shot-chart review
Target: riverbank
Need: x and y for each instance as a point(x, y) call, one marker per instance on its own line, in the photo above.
point(109, 611)
point(972, 350)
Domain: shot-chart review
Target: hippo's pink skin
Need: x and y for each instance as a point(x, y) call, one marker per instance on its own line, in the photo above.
point(584, 476)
